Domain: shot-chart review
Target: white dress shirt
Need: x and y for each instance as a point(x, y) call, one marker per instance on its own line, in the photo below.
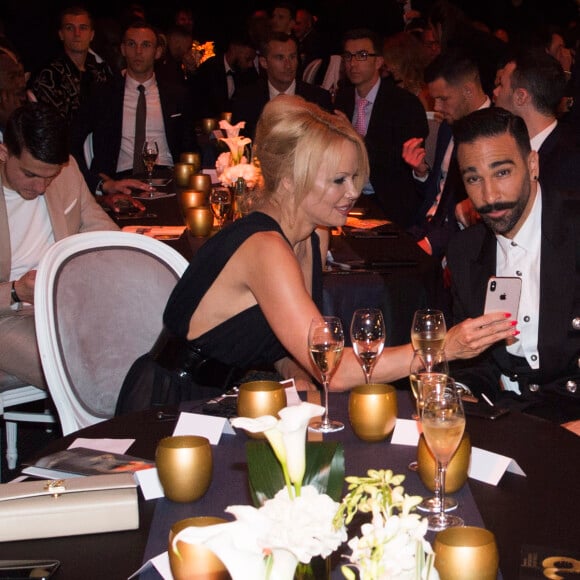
point(520, 257)
point(291, 90)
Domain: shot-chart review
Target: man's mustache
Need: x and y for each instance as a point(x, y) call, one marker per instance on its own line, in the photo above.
point(501, 205)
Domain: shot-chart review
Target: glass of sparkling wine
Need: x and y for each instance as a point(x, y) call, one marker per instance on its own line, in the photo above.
point(428, 329)
point(326, 343)
point(367, 334)
point(221, 200)
point(149, 155)
point(425, 361)
point(443, 421)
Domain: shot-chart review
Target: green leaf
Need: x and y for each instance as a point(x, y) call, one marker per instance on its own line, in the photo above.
point(324, 469)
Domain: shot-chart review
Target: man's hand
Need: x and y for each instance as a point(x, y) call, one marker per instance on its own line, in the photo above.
point(471, 337)
point(414, 155)
point(117, 201)
point(111, 186)
point(573, 426)
point(25, 286)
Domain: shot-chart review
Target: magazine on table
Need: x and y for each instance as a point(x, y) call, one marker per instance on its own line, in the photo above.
point(83, 461)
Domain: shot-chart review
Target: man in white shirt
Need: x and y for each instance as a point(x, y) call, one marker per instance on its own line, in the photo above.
point(527, 231)
point(43, 199)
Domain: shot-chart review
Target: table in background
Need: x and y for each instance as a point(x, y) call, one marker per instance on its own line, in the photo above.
point(540, 509)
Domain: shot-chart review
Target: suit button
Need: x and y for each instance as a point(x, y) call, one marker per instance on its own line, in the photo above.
point(534, 387)
point(576, 323)
point(571, 386)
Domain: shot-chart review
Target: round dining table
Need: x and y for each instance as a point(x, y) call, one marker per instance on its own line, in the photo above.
point(538, 509)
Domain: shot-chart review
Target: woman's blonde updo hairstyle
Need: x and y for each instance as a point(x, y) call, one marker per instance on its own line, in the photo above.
point(294, 138)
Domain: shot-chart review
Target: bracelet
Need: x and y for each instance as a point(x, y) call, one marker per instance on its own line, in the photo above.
point(14, 295)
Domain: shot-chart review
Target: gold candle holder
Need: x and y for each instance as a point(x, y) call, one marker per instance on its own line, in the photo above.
point(192, 198)
point(201, 182)
point(199, 221)
point(456, 469)
point(208, 125)
point(193, 158)
point(195, 561)
point(226, 116)
point(466, 553)
point(182, 172)
point(372, 411)
point(257, 398)
point(184, 466)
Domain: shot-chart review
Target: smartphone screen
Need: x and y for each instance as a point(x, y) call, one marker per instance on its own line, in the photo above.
point(503, 295)
point(16, 569)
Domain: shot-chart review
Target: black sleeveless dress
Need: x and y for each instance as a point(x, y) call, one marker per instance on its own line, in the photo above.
point(245, 340)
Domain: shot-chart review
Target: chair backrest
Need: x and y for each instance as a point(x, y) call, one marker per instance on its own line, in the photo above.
point(311, 70)
point(99, 301)
point(333, 73)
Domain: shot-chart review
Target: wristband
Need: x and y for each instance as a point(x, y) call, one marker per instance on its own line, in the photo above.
point(14, 295)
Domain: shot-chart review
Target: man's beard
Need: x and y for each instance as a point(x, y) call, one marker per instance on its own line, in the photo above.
point(506, 223)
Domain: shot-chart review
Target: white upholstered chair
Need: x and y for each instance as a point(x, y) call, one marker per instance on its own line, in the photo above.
point(99, 301)
point(311, 70)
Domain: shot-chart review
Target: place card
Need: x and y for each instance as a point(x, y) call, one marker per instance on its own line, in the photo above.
point(160, 563)
point(489, 467)
point(149, 483)
point(292, 396)
point(406, 432)
point(107, 445)
point(204, 426)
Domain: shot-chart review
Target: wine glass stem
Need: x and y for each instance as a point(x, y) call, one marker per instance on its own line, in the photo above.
point(325, 419)
point(442, 472)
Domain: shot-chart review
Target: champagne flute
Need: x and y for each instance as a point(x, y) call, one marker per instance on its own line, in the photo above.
point(326, 343)
point(443, 420)
point(149, 154)
point(367, 334)
point(428, 329)
point(221, 200)
point(425, 361)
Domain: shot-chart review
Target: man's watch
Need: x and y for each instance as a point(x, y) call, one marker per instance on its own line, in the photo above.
point(15, 299)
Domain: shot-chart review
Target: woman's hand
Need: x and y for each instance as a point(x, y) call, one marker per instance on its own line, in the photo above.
point(471, 337)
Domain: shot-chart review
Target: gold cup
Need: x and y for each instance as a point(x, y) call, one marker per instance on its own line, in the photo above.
point(466, 553)
point(372, 411)
point(192, 198)
point(199, 221)
point(257, 398)
point(184, 466)
point(193, 158)
point(195, 561)
point(226, 116)
point(456, 469)
point(200, 182)
point(182, 172)
point(208, 125)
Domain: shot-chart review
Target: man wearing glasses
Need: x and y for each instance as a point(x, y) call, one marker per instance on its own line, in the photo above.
point(386, 116)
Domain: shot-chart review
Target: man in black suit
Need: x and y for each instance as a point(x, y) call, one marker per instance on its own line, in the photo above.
point(110, 117)
point(219, 77)
point(279, 58)
point(455, 86)
point(528, 231)
point(532, 84)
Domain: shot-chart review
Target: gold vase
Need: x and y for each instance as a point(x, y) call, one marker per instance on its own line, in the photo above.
point(466, 553)
point(184, 466)
point(456, 469)
point(193, 158)
point(199, 221)
point(372, 411)
point(208, 125)
point(226, 116)
point(195, 561)
point(192, 198)
point(182, 172)
point(200, 182)
point(257, 398)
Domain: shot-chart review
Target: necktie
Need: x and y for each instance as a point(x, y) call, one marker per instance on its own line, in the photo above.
point(140, 118)
point(361, 120)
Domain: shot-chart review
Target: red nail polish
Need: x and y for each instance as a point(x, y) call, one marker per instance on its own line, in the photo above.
point(507, 314)
point(516, 332)
point(513, 322)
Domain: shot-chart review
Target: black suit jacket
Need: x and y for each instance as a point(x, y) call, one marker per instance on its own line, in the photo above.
point(560, 159)
point(211, 87)
point(102, 116)
point(472, 260)
point(249, 101)
point(397, 115)
point(443, 225)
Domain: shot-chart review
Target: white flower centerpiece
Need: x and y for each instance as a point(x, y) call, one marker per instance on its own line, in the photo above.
point(295, 525)
point(392, 545)
point(234, 163)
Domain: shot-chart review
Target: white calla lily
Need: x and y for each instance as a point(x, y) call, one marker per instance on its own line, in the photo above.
point(255, 425)
point(237, 146)
point(232, 130)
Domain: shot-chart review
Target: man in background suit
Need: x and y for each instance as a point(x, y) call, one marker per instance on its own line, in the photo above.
point(392, 115)
point(110, 116)
point(43, 199)
point(532, 232)
point(279, 58)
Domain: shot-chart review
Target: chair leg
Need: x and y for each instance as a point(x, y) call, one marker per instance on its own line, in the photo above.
point(11, 449)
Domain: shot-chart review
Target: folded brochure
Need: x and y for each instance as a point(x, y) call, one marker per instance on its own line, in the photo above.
point(83, 461)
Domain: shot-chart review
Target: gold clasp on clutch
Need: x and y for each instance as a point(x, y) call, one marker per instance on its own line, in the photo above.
point(55, 487)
